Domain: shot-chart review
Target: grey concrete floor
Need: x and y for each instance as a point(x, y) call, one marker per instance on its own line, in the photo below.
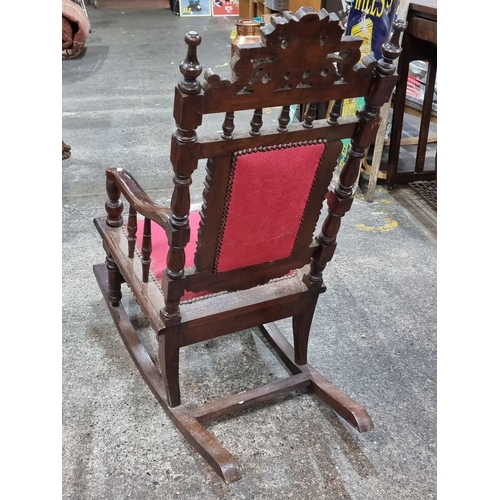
point(374, 333)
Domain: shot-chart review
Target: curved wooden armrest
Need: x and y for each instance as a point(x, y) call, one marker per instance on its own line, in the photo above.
point(138, 198)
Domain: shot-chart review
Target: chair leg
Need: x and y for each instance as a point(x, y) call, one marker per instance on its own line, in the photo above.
point(168, 354)
point(301, 324)
point(115, 280)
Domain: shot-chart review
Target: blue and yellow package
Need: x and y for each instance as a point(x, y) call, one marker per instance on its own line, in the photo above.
point(372, 21)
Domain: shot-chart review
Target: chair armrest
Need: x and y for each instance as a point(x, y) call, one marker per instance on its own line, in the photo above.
point(138, 198)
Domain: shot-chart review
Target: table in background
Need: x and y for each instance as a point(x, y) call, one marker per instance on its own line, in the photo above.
point(419, 43)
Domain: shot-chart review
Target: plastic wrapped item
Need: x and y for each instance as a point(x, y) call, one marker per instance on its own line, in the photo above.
point(415, 88)
point(418, 69)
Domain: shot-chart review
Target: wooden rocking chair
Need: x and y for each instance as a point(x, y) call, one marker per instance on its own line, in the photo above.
point(249, 258)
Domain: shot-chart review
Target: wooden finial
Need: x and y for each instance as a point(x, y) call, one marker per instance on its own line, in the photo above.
point(392, 48)
point(190, 67)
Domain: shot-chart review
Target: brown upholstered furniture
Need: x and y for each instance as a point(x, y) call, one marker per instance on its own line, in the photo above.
point(75, 29)
point(249, 257)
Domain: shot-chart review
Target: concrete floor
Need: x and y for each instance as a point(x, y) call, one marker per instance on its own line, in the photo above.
point(374, 333)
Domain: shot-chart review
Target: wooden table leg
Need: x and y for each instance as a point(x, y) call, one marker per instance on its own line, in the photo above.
point(426, 116)
point(398, 113)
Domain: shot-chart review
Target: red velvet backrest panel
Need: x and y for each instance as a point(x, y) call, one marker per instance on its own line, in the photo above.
point(265, 203)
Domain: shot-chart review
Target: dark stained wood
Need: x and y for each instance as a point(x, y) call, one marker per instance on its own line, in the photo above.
point(309, 116)
point(228, 125)
point(203, 441)
point(238, 402)
point(114, 206)
point(425, 118)
point(270, 137)
point(256, 122)
point(284, 118)
point(114, 281)
point(263, 73)
point(132, 231)
point(423, 29)
point(347, 408)
point(66, 151)
point(335, 112)
point(272, 72)
point(216, 183)
point(120, 182)
point(301, 324)
point(146, 250)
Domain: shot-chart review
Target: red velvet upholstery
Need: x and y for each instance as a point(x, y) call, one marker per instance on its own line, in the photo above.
point(160, 248)
point(256, 230)
point(263, 228)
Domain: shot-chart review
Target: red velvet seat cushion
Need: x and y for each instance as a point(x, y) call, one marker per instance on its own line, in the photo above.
point(160, 248)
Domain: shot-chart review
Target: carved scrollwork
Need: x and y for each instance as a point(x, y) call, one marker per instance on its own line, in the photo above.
point(316, 43)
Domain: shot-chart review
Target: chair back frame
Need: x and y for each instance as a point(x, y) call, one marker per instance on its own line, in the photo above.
point(272, 73)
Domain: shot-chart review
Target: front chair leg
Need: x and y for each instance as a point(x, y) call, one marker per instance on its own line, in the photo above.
point(115, 280)
point(168, 354)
